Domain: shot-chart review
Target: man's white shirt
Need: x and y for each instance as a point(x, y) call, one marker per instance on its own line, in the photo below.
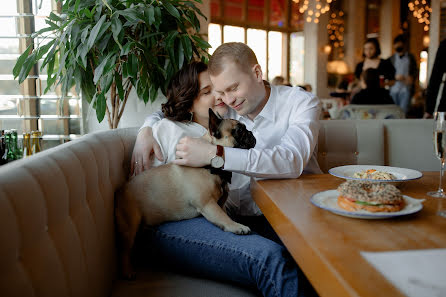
point(286, 131)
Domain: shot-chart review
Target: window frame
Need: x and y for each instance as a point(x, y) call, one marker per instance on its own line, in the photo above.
point(286, 29)
point(30, 98)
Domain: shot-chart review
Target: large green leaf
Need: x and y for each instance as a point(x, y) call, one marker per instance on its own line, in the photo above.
point(171, 9)
point(76, 5)
point(187, 46)
point(116, 27)
point(180, 54)
point(106, 82)
point(95, 31)
point(20, 61)
point(44, 49)
point(149, 14)
point(29, 63)
point(126, 48)
point(84, 34)
point(54, 17)
point(201, 43)
point(132, 15)
point(100, 69)
point(118, 82)
point(100, 106)
point(49, 83)
point(153, 93)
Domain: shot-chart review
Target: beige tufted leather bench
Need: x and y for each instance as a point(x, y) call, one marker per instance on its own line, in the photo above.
point(57, 227)
point(56, 209)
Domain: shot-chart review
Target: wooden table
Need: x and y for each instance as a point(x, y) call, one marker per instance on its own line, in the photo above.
point(327, 246)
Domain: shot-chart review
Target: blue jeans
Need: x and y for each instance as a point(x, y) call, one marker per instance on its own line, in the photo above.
point(401, 95)
point(197, 246)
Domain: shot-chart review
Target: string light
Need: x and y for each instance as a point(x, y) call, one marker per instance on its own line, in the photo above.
point(335, 30)
point(421, 10)
point(314, 8)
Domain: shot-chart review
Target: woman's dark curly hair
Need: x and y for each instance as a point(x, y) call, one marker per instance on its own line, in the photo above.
point(182, 91)
point(375, 43)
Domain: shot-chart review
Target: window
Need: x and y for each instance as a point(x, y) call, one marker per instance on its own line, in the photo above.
point(24, 107)
point(273, 29)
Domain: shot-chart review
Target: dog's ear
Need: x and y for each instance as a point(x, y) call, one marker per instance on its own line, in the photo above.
point(214, 124)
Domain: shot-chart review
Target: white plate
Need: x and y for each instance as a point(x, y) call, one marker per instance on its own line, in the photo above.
point(401, 174)
point(328, 200)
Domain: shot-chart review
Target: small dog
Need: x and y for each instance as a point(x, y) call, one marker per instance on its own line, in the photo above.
point(172, 192)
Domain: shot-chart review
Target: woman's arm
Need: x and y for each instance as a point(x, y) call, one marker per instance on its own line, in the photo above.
point(145, 145)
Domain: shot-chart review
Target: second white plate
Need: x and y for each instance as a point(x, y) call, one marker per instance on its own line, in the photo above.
point(401, 174)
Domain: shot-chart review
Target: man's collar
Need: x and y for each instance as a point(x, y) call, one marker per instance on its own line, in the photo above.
point(268, 111)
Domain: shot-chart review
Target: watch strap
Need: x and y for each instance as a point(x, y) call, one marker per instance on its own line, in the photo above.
point(220, 151)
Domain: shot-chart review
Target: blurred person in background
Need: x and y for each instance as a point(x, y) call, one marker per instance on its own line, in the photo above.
point(405, 73)
point(280, 81)
point(371, 53)
point(371, 92)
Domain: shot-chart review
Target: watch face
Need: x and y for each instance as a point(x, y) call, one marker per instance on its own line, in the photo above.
point(217, 162)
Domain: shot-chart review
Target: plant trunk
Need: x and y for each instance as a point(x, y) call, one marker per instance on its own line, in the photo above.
point(117, 105)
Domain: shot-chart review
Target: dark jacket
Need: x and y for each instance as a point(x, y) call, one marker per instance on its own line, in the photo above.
point(435, 80)
point(385, 68)
point(372, 96)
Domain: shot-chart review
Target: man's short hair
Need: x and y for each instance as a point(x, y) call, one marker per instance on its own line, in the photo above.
point(236, 52)
point(400, 38)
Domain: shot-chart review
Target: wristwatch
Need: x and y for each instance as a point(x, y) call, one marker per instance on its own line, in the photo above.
point(217, 161)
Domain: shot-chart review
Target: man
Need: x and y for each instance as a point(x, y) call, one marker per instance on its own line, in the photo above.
point(284, 121)
point(405, 75)
point(433, 88)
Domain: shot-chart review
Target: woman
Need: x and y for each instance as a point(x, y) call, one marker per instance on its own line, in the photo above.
point(371, 92)
point(197, 246)
point(371, 54)
point(189, 97)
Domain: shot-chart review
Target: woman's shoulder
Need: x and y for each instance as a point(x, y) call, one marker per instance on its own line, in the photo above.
point(170, 126)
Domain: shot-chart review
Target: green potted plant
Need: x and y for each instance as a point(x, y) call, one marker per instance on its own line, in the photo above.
point(107, 47)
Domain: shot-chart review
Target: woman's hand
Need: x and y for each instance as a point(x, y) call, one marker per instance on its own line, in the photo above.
point(145, 145)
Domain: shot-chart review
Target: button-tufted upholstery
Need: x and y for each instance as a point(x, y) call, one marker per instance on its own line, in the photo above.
point(56, 209)
point(57, 225)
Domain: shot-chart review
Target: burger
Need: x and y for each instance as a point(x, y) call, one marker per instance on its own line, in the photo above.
point(373, 197)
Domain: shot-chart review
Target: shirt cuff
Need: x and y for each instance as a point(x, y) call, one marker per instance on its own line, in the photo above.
point(236, 159)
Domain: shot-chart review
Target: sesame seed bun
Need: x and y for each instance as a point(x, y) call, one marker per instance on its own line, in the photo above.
point(373, 197)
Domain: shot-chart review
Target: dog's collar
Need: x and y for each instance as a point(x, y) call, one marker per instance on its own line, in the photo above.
point(224, 175)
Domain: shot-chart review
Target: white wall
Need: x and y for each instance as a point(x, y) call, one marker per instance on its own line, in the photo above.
point(134, 113)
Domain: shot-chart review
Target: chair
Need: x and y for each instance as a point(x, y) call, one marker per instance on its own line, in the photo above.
point(368, 112)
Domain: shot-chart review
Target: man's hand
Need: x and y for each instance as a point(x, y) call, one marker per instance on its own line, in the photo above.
point(145, 145)
point(194, 152)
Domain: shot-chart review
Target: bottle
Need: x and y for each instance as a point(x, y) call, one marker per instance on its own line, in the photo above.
point(17, 153)
point(39, 134)
point(26, 145)
point(8, 156)
point(2, 147)
point(35, 142)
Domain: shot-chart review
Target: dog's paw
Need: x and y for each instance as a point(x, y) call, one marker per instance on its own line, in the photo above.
point(237, 228)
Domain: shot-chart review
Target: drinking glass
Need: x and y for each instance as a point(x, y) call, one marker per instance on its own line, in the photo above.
point(439, 146)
